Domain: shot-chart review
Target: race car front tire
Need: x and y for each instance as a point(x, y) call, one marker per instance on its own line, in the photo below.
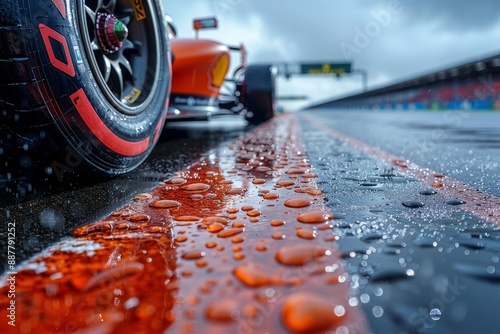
point(259, 93)
point(71, 102)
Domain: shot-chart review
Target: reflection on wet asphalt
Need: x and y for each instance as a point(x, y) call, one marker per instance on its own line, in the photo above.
point(460, 144)
point(418, 264)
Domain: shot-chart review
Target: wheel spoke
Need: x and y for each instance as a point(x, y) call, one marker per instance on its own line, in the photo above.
point(123, 61)
point(91, 13)
point(126, 17)
point(119, 77)
point(120, 54)
point(111, 6)
point(107, 69)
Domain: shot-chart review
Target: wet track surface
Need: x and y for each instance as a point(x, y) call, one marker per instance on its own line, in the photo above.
point(417, 262)
point(460, 144)
point(51, 209)
point(406, 261)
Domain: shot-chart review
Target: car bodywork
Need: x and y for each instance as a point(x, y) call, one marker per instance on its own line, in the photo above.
point(201, 87)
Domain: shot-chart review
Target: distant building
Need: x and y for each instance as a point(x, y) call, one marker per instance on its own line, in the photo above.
point(474, 85)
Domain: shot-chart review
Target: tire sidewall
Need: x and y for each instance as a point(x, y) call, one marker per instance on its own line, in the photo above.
point(70, 73)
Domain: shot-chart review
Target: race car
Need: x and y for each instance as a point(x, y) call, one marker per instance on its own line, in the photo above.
point(201, 88)
point(85, 85)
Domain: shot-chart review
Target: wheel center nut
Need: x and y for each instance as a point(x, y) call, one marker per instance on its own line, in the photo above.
point(110, 32)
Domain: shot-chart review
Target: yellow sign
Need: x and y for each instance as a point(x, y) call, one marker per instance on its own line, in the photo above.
point(326, 69)
point(133, 95)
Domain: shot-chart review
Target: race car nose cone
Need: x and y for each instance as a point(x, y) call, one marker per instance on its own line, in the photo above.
point(110, 32)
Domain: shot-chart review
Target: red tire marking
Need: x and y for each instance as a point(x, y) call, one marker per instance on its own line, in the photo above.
point(101, 131)
point(47, 34)
point(479, 203)
point(61, 7)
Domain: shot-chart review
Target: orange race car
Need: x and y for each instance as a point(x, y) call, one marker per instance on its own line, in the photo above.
point(200, 87)
point(85, 85)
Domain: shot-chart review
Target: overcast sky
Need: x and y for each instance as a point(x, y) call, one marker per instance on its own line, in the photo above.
point(392, 40)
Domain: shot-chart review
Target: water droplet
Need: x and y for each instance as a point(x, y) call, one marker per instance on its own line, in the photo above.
point(232, 210)
point(277, 222)
point(143, 197)
point(131, 303)
point(140, 217)
point(193, 255)
point(122, 226)
point(198, 187)
point(196, 197)
point(259, 181)
point(296, 171)
point(285, 183)
point(455, 202)
point(372, 236)
point(254, 213)
point(378, 311)
point(299, 254)
point(113, 274)
point(315, 217)
point(181, 238)
point(215, 227)
point(325, 227)
point(230, 232)
point(176, 181)
point(93, 228)
point(400, 163)
point(155, 229)
point(237, 240)
point(236, 191)
point(261, 248)
point(304, 313)
point(271, 196)
point(306, 234)
point(201, 263)
point(278, 236)
point(488, 273)
point(435, 314)
point(239, 256)
point(263, 169)
point(314, 192)
point(221, 310)
point(165, 204)
point(389, 274)
point(297, 202)
point(428, 192)
point(211, 244)
point(212, 220)
point(413, 204)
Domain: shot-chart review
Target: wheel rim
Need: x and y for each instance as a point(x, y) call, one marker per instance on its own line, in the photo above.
point(125, 60)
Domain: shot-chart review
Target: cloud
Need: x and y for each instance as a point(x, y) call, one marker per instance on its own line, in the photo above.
point(416, 38)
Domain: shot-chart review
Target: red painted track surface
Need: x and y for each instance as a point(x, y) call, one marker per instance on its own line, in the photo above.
point(237, 243)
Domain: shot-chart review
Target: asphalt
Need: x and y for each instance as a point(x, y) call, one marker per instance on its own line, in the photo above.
point(46, 211)
point(406, 262)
